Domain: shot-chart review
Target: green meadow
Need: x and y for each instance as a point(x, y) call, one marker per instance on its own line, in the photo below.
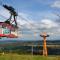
point(27, 57)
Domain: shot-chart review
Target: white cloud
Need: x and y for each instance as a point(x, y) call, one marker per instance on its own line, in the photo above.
point(24, 18)
point(56, 4)
point(48, 23)
point(34, 26)
point(45, 25)
point(4, 14)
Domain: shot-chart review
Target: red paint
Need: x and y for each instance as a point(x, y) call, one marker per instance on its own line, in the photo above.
point(8, 35)
point(9, 26)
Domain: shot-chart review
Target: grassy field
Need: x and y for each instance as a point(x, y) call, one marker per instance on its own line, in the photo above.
point(27, 57)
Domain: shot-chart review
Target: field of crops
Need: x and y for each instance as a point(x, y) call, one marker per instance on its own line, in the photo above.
point(27, 57)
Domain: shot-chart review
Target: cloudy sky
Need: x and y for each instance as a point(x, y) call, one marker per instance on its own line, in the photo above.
point(35, 17)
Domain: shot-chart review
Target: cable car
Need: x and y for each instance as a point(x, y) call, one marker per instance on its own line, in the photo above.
point(7, 28)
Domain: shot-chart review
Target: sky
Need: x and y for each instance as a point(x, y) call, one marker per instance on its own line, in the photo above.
point(35, 17)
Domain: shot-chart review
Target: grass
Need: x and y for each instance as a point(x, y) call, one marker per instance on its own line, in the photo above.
point(27, 57)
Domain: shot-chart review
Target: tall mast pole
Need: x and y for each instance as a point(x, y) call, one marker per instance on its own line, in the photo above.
point(44, 35)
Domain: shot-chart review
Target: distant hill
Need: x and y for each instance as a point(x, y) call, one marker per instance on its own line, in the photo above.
point(21, 42)
point(20, 46)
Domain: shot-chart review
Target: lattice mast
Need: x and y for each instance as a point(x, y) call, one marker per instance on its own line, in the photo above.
point(44, 35)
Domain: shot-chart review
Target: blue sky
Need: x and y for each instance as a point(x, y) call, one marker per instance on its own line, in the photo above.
point(42, 15)
point(37, 8)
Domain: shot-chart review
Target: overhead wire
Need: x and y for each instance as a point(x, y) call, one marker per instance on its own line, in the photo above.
point(32, 25)
point(1, 2)
point(3, 16)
